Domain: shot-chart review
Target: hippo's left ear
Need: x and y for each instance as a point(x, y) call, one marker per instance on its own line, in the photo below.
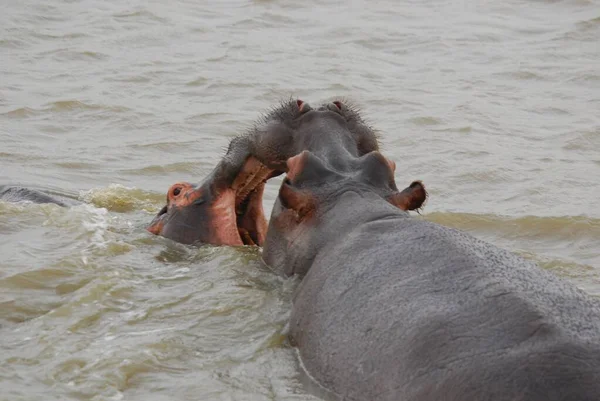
point(297, 200)
point(411, 198)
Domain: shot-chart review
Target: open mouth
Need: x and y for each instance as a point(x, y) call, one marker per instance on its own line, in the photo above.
point(248, 188)
point(232, 215)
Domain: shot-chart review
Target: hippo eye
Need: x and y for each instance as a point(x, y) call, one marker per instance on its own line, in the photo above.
point(176, 191)
point(338, 104)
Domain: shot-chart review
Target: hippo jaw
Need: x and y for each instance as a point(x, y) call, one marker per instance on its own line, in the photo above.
point(217, 213)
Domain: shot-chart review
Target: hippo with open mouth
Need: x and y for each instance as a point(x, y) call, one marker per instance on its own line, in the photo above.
point(226, 209)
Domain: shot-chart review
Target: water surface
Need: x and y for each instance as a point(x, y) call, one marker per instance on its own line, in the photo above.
point(494, 105)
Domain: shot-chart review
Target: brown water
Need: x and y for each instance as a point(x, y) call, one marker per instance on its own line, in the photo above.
point(495, 105)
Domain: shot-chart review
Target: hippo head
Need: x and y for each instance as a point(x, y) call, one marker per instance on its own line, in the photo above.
point(216, 212)
point(226, 209)
point(317, 202)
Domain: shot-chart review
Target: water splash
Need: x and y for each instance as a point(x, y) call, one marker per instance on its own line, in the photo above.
point(119, 198)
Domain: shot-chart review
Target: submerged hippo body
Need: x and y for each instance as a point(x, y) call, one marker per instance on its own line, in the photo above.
point(393, 308)
point(226, 209)
point(11, 193)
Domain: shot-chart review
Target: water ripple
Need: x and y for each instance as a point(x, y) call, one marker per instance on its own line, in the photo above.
point(494, 106)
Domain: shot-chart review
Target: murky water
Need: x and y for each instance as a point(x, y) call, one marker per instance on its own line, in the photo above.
point(495, 105)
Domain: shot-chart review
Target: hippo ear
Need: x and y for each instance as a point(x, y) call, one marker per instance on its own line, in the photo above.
point(299, 201)
point(377, 170)
point(411, 198)
point(306, 167)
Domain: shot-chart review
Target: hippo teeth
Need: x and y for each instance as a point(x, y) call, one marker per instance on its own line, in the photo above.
point(251, 184)
point(248, 187)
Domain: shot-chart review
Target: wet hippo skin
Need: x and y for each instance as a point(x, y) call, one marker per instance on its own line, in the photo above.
point(15, 193)
point(394, 308)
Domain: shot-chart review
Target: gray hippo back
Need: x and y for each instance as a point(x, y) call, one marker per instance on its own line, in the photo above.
point(393, 308)
point(10, 193)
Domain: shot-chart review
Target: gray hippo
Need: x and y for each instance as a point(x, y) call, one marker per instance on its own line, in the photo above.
point(226, 208)
point(393, 308)
point(16, 193)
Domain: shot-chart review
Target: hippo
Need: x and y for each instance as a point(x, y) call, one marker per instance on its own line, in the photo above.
point(395, 308)
point(15, 193)
point(226, 208)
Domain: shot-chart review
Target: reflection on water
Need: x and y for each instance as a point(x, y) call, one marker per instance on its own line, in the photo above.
point(493, 105)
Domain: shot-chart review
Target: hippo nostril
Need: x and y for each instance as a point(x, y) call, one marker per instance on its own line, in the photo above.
point(338, 104)
point(176, 191)
point(163, 211)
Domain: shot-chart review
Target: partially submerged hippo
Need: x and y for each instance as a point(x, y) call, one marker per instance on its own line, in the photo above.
point(226, 209)
point(393, 308)
point(15, 193)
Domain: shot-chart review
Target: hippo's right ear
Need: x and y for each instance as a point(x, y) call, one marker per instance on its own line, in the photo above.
point(297, 200)
point(412, 197)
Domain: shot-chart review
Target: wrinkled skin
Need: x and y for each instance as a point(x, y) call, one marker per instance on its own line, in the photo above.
point(226, 209)
point(21, 194)
point(392, 308)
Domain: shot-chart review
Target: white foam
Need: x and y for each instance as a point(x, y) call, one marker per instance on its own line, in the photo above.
point(96, 223)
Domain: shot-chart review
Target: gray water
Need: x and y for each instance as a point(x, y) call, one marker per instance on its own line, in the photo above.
point(494, 105)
